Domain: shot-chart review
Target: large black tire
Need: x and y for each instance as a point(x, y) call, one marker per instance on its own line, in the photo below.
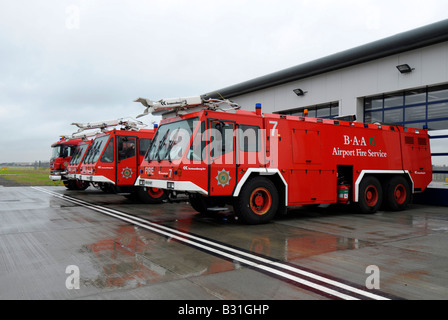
point(76, 184)
point(198, 203)
point(107, 188)
point(68, 184)
point(397, 193)
point(151, 195)
point(257, 202)
point(370, 195)
point(81, 185)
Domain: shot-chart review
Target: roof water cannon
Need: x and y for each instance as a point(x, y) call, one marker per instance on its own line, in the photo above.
point(178, 106)
point(167, 105)
point(103, 125)
point(85, 136)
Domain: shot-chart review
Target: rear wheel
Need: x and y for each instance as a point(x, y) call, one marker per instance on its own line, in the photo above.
point(152, 195)
point(76, 184)
point(257, 202)
point(370, 195)
point(397, 193)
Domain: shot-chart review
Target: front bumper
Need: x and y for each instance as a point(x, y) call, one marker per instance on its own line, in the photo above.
point(181, 186)
point(58, 176)
point(93, 178)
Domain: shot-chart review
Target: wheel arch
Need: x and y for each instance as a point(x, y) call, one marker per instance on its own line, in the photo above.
point(273, 174)
point(381, 175)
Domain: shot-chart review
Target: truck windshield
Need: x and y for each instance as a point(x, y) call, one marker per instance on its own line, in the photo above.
point(172, 140)
point(79, 153)
point(96, 149)
point(63, 150)
point(55, 152)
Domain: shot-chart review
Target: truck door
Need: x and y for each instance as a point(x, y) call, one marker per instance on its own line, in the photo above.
point(221, 153)
point(126, 160)
point(250, 146)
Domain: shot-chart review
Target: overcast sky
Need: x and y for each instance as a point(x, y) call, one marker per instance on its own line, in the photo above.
point(64, 61)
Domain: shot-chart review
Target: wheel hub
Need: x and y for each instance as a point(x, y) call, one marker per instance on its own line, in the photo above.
point(260, 201)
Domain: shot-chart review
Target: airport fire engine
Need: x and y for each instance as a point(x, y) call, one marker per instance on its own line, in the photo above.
point(61, 155)
point(74, 166)
point(111, 160)
point(263, 163)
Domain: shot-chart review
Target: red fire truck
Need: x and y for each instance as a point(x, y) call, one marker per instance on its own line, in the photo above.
point(61, 155)
point(74, 166)
point(263, 163)
point(111, 162)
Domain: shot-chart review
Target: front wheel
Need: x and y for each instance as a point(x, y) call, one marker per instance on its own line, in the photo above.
point(152, 195)
point(81, 185)
point(76, 184)
point(257, 202)
point(198, 203)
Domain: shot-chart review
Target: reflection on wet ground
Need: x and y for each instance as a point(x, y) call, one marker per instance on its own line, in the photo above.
point(303, 232)
point(135, 257)
point(311, 235)
point(52, 233)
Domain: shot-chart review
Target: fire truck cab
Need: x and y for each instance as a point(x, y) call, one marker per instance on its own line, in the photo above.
point(74, 167)
point(263, 163)
point(61, 155)
point(111, 161)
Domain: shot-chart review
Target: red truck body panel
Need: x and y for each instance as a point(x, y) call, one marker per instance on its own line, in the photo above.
point(114, 157)
point(306, 153)
point(62, 151)
point(263, 163)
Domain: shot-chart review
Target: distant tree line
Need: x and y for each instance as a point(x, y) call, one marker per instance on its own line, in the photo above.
point(36, 164)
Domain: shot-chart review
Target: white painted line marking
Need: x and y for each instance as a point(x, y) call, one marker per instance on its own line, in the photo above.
point(264, 264)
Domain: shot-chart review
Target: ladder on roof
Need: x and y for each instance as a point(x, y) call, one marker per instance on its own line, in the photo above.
point(133, 125)
point(180, 106)
point(80, 135)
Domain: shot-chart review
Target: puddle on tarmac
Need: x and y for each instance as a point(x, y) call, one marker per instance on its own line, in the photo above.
point(135, 257)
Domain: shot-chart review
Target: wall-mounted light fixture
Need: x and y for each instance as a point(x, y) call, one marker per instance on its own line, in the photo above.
point(404, 68)
point(299, 92)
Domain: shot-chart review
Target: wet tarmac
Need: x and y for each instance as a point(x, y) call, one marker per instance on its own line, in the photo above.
point(60, 244)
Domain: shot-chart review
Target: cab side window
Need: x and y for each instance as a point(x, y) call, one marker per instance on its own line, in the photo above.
point(126, 148)
point(249, 138)
point(144, 146)
point(108, 155)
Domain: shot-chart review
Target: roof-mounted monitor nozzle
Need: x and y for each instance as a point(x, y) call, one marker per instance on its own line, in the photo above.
point(167, 105)
point(103, 125)
point(80, 135)
point(179, 106)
